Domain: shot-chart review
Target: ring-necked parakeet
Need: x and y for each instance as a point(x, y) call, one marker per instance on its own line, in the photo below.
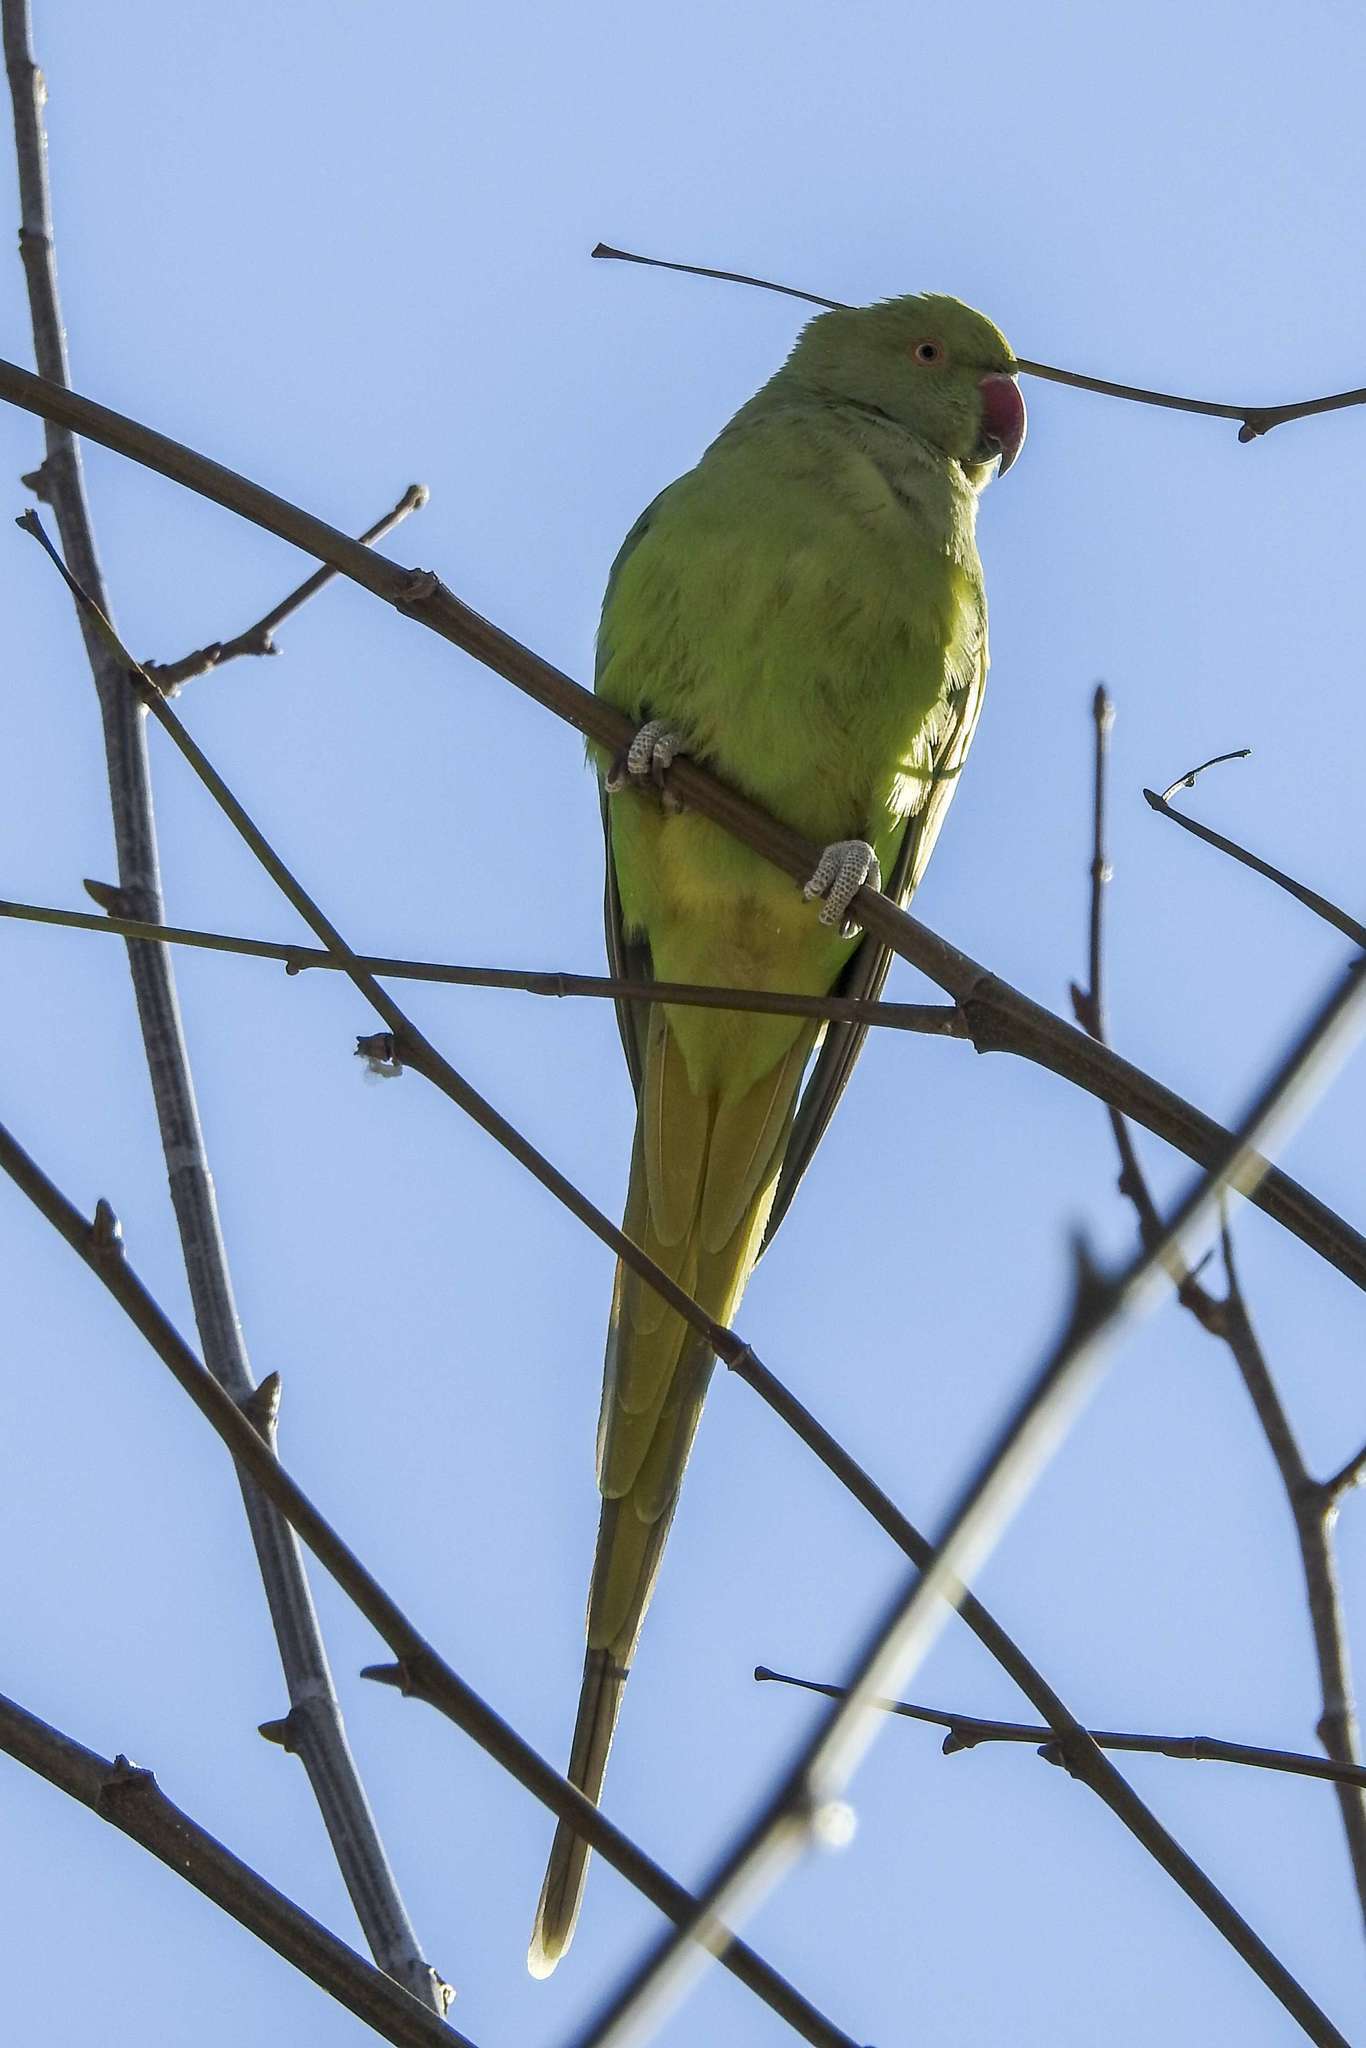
point(804, 613)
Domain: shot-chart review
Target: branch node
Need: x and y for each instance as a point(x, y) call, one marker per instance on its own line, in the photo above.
point(122, 1780)
point(281, 1732)
point(1084, 1007)
point(105, 1237)
point(1090, 1287)
point(115, 902)
point(398, 1674)
point(419, 588)
point(262, 1407)
point(39, 481)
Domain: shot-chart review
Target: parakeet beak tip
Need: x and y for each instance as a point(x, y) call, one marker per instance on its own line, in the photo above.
point(1004, 419)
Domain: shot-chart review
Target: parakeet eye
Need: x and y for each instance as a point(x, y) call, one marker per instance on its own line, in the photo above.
point(928, 352)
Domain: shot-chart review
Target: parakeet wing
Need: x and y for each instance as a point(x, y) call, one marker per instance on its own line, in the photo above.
point(866, 973)
point(627, 959)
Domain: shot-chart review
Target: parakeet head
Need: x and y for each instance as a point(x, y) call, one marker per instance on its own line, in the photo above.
point(931, 364)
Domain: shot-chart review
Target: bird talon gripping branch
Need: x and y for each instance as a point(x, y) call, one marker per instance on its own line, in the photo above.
point(649, 758)
point(841, 871)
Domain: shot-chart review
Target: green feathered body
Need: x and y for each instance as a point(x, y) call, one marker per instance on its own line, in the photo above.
point(806, 609)
point(807, 606)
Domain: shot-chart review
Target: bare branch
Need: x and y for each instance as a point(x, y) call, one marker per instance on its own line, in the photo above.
point(807, 1805)
point(130, 1799)
point(322, 1743)
point(968, 1731)
point(1310, 898)
point(786, 291)
point(935, 1020)
point(259, 639)
point(1312, 1506)
point(102, 1250)
point(999, 1018)
point(1255, 419)
point(1089, 1004)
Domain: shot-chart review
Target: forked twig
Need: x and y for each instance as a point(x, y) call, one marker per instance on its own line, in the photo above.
point(171, 676)
point(1312, 1503)
point(1331, 913)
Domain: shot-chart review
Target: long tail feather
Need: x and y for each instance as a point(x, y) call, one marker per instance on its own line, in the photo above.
point(702, 1179)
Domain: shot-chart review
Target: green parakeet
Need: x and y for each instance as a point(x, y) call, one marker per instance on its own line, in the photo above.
point(803, 613)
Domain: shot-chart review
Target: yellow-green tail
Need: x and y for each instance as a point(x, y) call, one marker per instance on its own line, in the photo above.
point(702, 1179)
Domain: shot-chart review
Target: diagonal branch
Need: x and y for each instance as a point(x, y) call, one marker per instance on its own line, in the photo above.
point(171, 676)
point(969, 1731)
point(130, 1799)
point(99, 1243)
point(1255, 419)
point(1321, 906)
point(1313, 1505)
point(318, 1732)
point(1313, 1508)
point(999, 1018)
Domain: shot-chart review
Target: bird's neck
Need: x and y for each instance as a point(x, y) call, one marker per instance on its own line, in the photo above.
point(932, 486)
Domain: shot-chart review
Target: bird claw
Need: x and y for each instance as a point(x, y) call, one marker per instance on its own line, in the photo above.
point(841, 871)
point(649, 757)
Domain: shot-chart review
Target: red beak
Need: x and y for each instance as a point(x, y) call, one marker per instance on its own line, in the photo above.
point(1003, 417)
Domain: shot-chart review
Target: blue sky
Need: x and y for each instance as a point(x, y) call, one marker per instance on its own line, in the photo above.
point(344, 248)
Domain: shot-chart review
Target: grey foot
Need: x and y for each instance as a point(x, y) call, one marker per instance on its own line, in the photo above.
point(841, 872)
point(649, 757)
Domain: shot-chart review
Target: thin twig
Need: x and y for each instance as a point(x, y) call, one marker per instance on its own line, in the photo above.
point(738, 1355)
point(1313, 1508)
point(999, 1018)
point(807, 1805)
point(130, 1799)
point(171, 676)
point(935, 1020)
point(1192, 775)
point(1346, 1477)
point(1321, 906)
point(317, 1732)
point(99, 1243)
point(969, 1731)
point(1088, 1004)
point(1255, 419)
point(1312, 1505)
